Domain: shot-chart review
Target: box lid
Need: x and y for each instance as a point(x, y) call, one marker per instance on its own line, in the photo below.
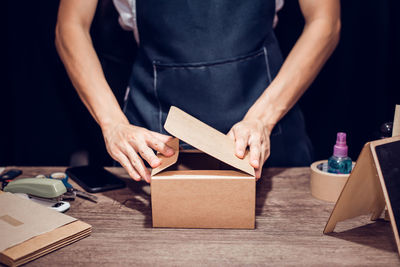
point(203, 137)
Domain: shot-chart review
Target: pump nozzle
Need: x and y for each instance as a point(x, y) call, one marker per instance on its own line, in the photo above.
point(340, 148)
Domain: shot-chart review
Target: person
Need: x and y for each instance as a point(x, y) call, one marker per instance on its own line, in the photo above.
point(218, 60)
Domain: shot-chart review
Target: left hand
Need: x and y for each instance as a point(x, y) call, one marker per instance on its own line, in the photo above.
point(253, 134)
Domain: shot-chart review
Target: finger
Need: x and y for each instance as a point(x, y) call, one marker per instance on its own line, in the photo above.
point(161, 147)
point(265, 155)
point(255, 151)
point(164, 138)
point(231, 135)
point(258, 173)
point(242, 137)
point(125, 163)
point(136, 162)
point(149, 156)
point(265, 152)
point(255, 156)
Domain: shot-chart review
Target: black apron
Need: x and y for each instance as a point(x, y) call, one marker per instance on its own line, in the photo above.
point(212, 59)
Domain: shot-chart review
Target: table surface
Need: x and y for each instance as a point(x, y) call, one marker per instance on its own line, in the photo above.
point(289, 225)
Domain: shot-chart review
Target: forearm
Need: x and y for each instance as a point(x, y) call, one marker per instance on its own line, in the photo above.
point(313, 48)
point(75, 48)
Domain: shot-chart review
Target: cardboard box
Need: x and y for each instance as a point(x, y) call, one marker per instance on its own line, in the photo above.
point(199, 191)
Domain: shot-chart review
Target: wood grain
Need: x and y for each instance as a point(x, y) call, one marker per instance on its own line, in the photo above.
point(289, 225)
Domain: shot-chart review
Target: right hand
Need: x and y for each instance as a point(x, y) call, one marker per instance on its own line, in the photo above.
point(124, 141)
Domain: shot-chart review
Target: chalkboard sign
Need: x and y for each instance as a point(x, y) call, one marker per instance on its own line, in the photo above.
point(389, 162)
point(373, 183)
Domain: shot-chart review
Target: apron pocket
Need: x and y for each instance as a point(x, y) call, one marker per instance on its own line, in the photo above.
point(218, 93)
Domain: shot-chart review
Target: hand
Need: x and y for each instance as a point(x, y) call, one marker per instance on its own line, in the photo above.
point(252, 133)
point(124, 141)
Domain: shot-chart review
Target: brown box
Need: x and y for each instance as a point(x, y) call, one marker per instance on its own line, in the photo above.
point(199, 191)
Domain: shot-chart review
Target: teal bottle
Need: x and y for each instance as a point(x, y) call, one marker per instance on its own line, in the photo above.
point(340, 163)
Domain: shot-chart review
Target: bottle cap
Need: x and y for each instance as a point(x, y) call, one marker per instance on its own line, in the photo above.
point(340, 148)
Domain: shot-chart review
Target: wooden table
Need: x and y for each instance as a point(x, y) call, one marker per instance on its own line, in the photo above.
point(289, 224)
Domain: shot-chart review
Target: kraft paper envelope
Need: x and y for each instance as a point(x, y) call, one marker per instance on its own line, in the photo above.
point(22, 219)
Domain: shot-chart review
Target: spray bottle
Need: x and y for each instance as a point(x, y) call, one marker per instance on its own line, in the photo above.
point(339, 162)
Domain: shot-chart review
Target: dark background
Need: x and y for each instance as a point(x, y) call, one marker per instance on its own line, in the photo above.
point(43, 122)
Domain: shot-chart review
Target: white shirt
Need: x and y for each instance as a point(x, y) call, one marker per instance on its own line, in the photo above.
point(127, 14)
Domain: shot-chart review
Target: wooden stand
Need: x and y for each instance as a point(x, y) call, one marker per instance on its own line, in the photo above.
point(396, 122)
point(365, 191)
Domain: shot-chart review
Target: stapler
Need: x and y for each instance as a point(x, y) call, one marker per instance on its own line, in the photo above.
point(47, 192)
point(38, 187)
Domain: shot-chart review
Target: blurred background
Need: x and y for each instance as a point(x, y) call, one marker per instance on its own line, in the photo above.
point(43, 122)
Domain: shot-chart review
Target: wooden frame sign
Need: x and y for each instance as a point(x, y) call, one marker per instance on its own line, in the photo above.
point(373, 183)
